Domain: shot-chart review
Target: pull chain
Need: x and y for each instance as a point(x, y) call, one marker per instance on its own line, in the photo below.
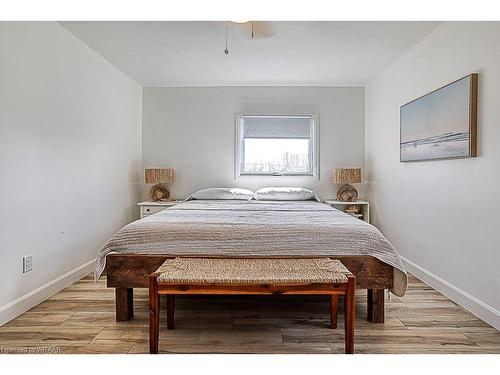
point(252, 34)
point(226, 51)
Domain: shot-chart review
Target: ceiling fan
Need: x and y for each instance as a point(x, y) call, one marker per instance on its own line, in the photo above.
point(254, 30)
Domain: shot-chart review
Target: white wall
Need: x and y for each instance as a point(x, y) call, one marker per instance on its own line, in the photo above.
point(443, 216)
point(70, 157)
point(193, 131)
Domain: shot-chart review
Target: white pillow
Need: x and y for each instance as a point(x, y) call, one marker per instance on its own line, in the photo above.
point(285, 194)
point(222, 193)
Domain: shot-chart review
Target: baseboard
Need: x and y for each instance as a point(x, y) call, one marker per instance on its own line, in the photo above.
point(480, 309)
point(31, 299)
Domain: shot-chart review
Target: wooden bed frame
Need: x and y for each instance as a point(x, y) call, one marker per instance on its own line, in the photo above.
point(127, 271)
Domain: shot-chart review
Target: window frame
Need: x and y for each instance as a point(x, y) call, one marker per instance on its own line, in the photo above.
point(240, 148)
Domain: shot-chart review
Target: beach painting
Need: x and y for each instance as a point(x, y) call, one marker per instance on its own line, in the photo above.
point(442, 124)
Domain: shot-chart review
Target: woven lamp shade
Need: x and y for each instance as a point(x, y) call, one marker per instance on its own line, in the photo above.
point(159, 175)
point(347, 175)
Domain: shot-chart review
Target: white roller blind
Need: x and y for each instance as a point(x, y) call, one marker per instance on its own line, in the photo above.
point(285, 127)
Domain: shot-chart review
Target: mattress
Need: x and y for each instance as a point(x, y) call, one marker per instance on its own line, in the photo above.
point(254, 228)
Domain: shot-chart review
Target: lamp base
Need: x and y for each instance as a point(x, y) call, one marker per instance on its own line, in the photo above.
point(159, 192)
point(347, 193)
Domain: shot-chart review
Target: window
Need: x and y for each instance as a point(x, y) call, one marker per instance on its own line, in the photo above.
point(276, 145)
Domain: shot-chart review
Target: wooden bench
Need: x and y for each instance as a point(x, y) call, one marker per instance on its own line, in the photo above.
point(316, 276)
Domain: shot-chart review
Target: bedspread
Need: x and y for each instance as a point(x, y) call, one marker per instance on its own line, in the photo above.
point(254, 229)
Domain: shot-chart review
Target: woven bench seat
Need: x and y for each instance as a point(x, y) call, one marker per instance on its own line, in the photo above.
point(237, 276)
point(252, 271)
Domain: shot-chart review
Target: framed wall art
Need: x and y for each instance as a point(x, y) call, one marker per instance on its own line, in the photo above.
point(441, 124)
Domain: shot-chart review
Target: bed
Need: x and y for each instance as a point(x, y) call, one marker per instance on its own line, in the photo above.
point(255, 228)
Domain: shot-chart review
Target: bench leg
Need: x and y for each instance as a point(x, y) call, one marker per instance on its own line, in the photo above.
point(334, 309)
point(170, 311)
point(349, 315)
point(124, 301)
point(375, 305)
point(154, 316)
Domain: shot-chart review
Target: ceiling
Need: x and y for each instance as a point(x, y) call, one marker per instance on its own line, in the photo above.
point(174, 53)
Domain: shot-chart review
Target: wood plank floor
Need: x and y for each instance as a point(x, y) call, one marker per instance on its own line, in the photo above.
point(81, 319)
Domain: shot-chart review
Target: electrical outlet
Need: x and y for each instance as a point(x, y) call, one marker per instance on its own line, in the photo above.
point(27, 263)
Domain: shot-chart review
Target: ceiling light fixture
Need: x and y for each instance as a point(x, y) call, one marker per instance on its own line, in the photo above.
point(258, 30)
point(245, 21)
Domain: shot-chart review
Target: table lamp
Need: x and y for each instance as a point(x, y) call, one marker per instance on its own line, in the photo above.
point(346, 176)
point(160, 177)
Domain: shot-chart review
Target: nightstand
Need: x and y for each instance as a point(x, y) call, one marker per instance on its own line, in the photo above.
point(149, 208)
point(363, 205)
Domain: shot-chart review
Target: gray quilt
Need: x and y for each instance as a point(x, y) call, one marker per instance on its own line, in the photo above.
point(254, 229)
